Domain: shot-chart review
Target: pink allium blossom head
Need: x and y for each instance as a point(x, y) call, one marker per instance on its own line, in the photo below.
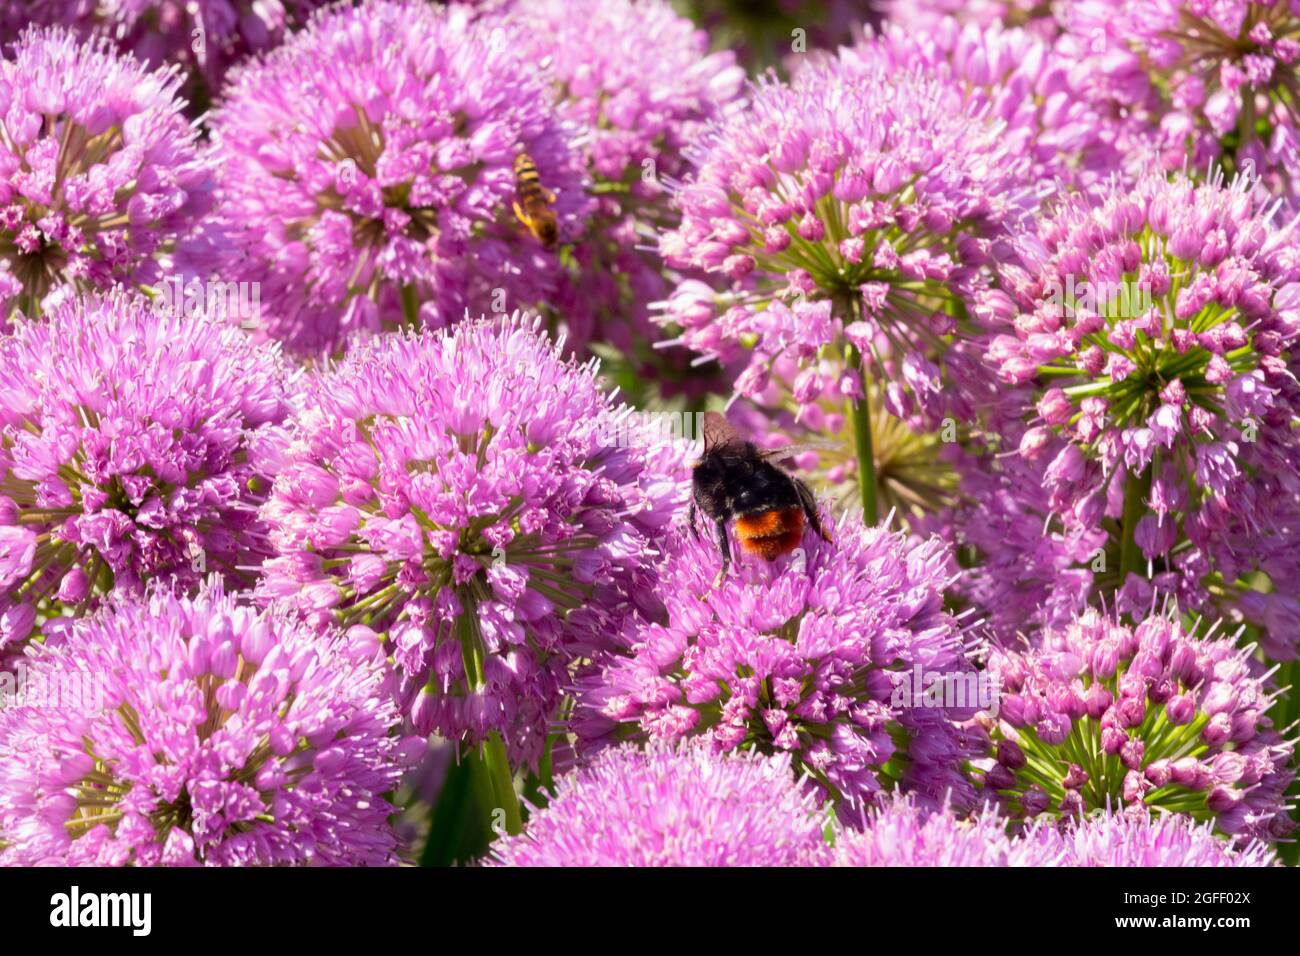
point(1218, 77)
point(1142, 838)
point(850, 207)
point(1155, 326)
point(367, 173)
point(902, 833)
point(637, 76)
point(641, 94)
point(666, 806)
point(135, 446)
point(203, 732)
point(99, 171)
point(816, 655)
point(1106, 715)
point(1155, 839)
point(1014, 77)
point(464, 497)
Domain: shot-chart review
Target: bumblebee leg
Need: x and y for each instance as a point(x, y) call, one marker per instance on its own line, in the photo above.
point(519, 213)
point(725, 547)
point(548, 196)
point(810, 509)
point(691, 514)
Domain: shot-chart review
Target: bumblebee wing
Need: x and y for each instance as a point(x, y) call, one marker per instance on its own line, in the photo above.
point(718, 431)
point(785, 455)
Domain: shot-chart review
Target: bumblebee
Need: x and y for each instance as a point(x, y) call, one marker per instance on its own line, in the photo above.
point(533, 202)
point(734, 479)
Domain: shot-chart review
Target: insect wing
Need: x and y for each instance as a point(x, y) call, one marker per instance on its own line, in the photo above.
point(786, 454)
point(718, 431)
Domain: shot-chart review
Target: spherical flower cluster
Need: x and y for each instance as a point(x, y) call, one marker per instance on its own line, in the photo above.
point(849, 208)
point(135, 446)
point(642, 95)
point(199, 732)
point(1147, 839)
point(817, 655)
point(100, 174)
point(1106, 715)
point(1012, 76)
point(665, 806)
point(367, 173)
point(1156, 327)
point(638, 102)
point(1217, 77)
point(465, 497)
point(901, 833)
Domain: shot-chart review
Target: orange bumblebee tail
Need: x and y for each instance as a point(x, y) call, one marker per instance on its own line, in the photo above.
point(770, 533)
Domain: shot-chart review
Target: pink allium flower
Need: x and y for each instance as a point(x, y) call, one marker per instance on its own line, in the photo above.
point(642, 94)
point(1217, 77)
point(1155, 326)
point(135, 443)
point(1146, 839)
point(1016, 78)
point(367, 173)
point(815, 655)
point(849, 208)
point(462, 496)
point(99, 171)
point(685, 806)
point(901, 833)
point(204, 733)
point(1106, 715)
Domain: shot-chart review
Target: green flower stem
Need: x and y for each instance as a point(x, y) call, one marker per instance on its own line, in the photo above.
point(860, 416)
point(411, 306)
point(1136, 489)
point(1285, 712)
point(493, 754)
point(503, 781)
